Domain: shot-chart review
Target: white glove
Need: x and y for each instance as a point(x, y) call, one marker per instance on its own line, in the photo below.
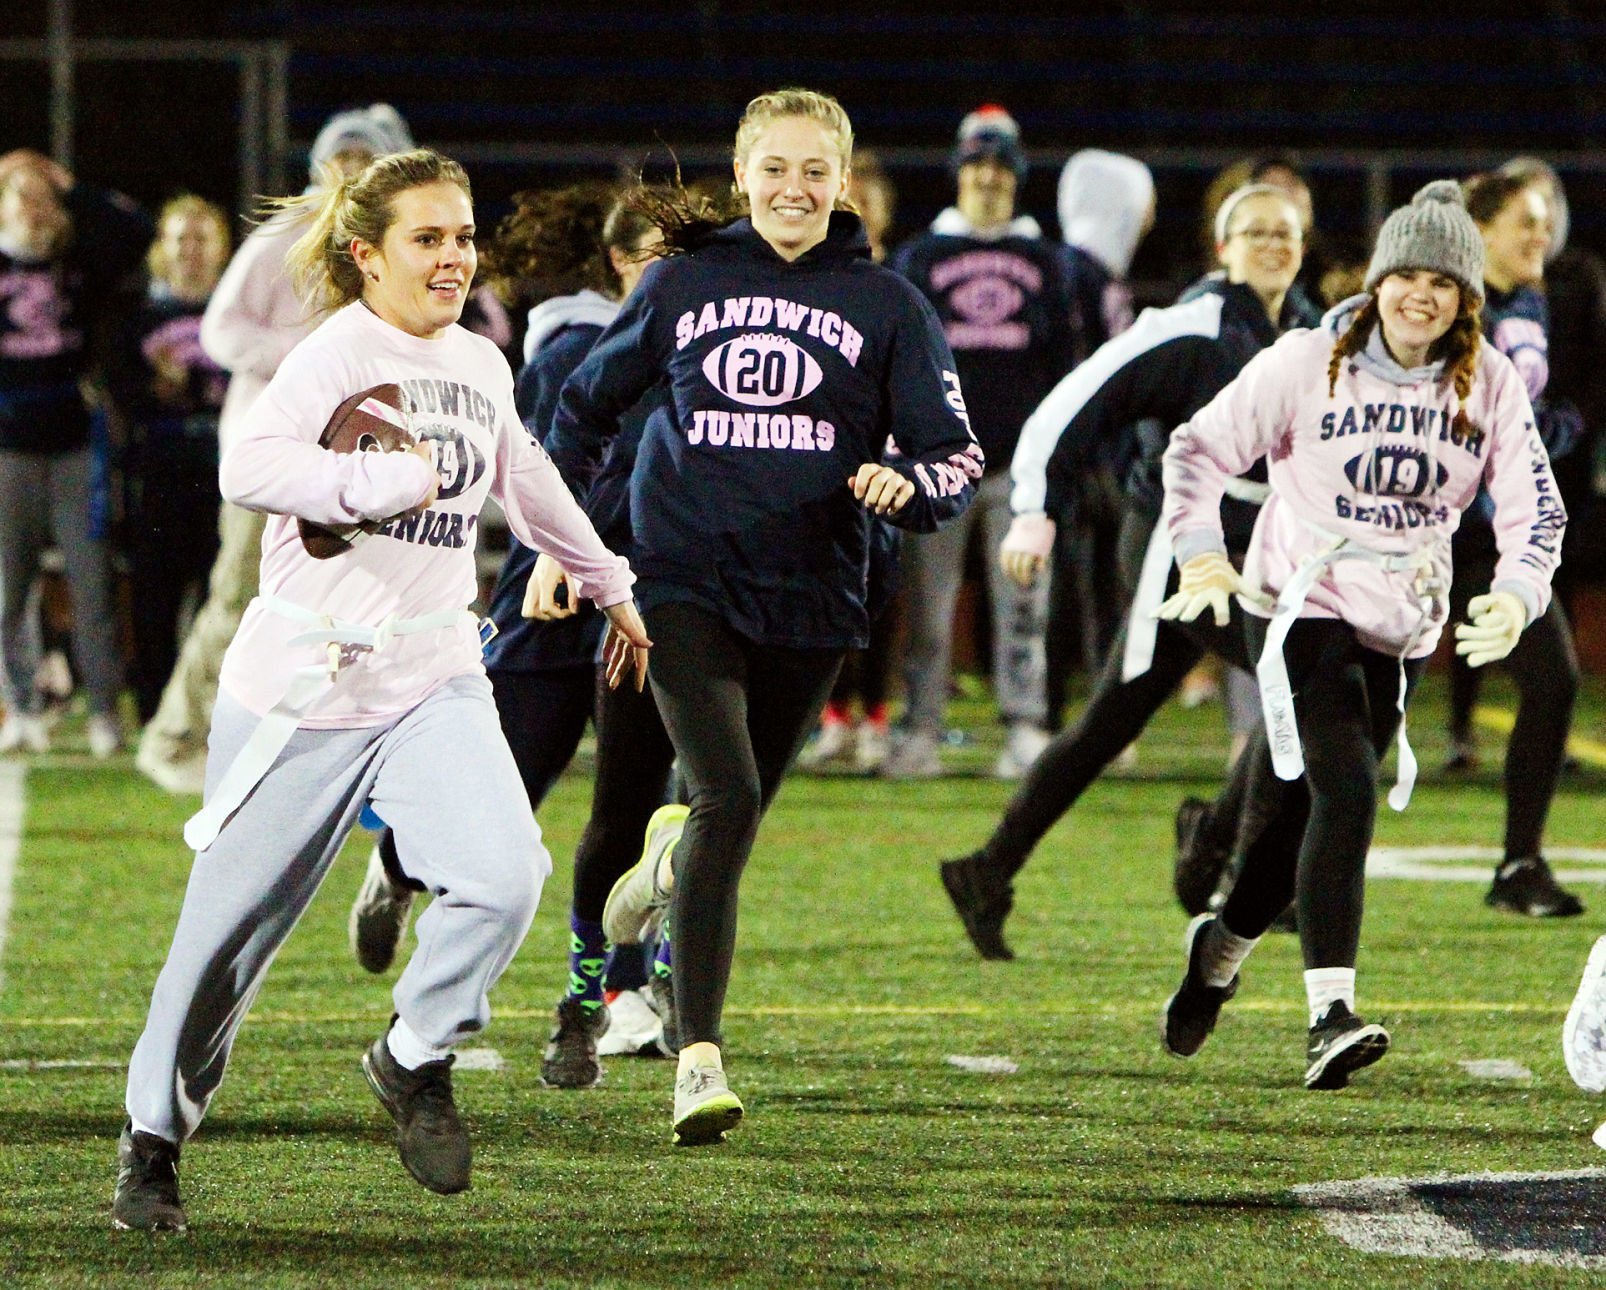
point(541, 592)
point(1208, 579)
point(1493, 627)
point(1027, 547)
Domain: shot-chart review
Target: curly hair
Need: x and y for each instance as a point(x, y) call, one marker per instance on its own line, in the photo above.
point(555, 242)
point(1458, 347)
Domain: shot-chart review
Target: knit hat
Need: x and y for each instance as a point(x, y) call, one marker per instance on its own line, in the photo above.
point(378, 129)
point(989, 131)
point(1434, 232)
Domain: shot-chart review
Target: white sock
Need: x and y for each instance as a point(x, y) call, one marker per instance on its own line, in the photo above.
point(409, 1050)
point(1327, 986)
point(136, 1127)
point(1222, 953)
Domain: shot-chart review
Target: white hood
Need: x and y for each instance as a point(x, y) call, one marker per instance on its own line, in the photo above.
point(1103, 199)
point(584, 307)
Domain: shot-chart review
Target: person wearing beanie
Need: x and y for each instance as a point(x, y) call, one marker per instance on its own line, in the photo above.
point(253, 320)
point(1000, 291)
point(1378, 428)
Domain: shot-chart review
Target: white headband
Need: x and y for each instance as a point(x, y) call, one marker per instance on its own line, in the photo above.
point(1230, 204)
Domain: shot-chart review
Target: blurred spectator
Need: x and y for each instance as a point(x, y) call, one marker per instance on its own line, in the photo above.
point(1001, 294)
point(169, 394)
point(64, 251)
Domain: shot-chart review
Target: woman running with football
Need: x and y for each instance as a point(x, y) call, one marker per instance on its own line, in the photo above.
point(789, 357)
point(358, 678)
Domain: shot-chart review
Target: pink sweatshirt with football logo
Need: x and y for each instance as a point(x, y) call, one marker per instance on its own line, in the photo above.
point(1376, 462)
point(461, 392)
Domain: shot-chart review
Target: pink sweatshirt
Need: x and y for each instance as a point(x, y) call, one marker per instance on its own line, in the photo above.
point(462, 395)
point(1377, 463)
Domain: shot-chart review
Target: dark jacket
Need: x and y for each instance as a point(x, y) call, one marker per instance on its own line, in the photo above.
point(781, 380)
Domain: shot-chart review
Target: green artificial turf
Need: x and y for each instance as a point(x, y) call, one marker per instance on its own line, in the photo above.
point(867, 1157)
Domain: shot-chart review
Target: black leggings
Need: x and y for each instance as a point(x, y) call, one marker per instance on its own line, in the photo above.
point(1116, 714)
point(737, 713)
point(1344, 702)
point(1544, 668)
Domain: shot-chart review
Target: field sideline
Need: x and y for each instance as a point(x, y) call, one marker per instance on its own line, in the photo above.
point(868, 1157)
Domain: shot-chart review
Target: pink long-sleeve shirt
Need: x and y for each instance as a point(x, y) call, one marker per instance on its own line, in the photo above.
point(461, 393)
point(1376, 462)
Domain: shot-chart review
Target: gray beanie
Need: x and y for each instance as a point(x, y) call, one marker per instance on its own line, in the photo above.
point(1434, 232)
point(378, 129)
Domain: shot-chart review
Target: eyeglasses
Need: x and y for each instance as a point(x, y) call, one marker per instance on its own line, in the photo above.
point(1266, 236)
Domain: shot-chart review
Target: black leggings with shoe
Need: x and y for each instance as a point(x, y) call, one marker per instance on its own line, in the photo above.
point(737, 713)
point(1344, 702)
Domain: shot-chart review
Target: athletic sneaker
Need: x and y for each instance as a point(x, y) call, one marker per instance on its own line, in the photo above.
point(663, 1000)
point(981, 903)
point(105, 734)
point(378, 916)
point(872, 746)
point(705, 1108)
point(146, 1199)
point(636, 905)
point(913, 757)
point(834, 742)
point(1526, 886)
point(1198, 866)
point(1023, 745)
point(1583, 1036)
point(186, 775)
point(570, 1060)
point(1190, 1014)
point(1339, 1044)
point(634, 1029)
point(24, 732)
point(431, 1140)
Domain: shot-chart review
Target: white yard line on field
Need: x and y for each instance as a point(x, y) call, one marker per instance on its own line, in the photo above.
point(13, 776)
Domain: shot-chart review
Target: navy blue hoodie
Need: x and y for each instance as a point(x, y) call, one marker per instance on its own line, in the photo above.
point(781, 380)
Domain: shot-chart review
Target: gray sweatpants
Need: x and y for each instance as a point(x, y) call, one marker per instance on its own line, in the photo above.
point(933, 568)
point(442, 776)
point(44, 498)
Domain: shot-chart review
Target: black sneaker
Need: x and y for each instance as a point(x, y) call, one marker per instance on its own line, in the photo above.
point(1526, 886)
point(662, 988)
point(1287, 922)
point(982, 905)
point(571, 1051)
point(146, 1199)
point(1198, 867)
point(1190, 1014)
point(430, 1138)
point(1341, 1043)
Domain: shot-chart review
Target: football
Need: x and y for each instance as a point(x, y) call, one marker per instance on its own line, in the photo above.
point(372, 420)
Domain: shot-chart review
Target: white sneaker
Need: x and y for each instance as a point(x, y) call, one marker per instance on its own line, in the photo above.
point(636, 905)
point(378, 916)
point(24, 732)
point(187, 775)
point(105, 735)
point(914, 757)
point(833, 741)
point(871, 748)
point(633, 1027)
point(705, 1107)
point(1023, 745)
point(1583, 1035)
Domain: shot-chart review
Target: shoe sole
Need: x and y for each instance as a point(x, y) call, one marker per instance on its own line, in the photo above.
point(615, 925)
point(119, 1225)
point(390, 1107)
point(709, 1122)
point(1190, 934)
point(1533, 911)
point(959, 896)
point(1589, 988)
point(1359, 1050)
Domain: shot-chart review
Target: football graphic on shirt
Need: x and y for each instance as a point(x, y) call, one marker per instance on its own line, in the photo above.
point(762, 370)
point(377, 419)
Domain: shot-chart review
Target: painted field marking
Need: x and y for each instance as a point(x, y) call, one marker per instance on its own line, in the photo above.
point(1410, 1217)
point(13, 777)
point(1436, 864)
point(1503, 719)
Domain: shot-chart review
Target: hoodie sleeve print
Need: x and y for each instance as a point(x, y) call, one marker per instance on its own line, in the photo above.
point(1220, 440)
point(1153, 369)
point(929, 424)
point(275, 463)
point(544, 516)
point(623, 365)
point(1529, 517)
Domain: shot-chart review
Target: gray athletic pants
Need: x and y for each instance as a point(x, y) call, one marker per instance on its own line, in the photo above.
point(443, 778)
point(44, 498)
point(933, 568)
